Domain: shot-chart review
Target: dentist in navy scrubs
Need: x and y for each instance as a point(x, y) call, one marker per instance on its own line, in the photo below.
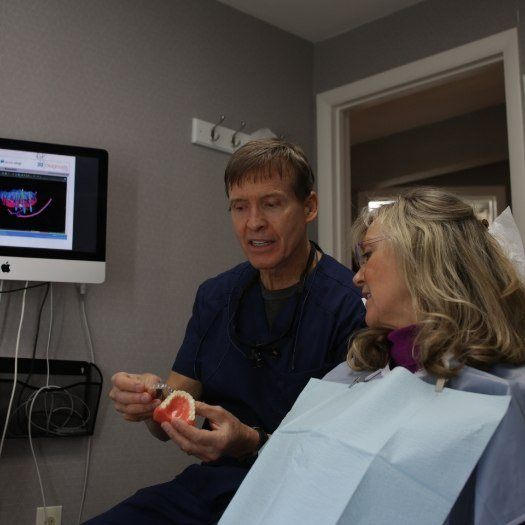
point(258, 333)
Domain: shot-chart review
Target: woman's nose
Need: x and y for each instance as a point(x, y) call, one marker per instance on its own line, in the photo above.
point(359, 278)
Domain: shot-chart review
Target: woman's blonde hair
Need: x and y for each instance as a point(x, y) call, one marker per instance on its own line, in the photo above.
point(467, 297)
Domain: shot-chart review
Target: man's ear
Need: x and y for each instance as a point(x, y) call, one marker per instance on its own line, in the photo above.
point(310, 207)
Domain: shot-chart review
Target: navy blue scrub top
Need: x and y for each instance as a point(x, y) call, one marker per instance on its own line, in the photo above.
point(329, 309)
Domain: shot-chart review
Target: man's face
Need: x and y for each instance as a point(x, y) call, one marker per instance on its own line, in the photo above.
point(270, 221)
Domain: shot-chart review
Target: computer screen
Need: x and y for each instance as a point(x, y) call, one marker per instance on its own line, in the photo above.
point(53, 206)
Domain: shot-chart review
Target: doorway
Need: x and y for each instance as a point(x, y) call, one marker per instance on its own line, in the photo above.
point(424, 123)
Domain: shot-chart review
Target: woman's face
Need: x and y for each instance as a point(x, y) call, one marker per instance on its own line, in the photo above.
point(388, 301)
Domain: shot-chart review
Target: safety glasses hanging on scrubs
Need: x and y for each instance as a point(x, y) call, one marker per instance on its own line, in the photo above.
point(256, 350)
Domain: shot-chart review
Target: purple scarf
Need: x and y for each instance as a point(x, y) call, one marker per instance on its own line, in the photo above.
point(402, 340)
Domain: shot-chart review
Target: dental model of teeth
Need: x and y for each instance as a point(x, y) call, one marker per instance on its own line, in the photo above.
point(179, 404)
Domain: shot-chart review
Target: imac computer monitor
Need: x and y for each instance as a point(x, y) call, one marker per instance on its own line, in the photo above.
point(53, 202)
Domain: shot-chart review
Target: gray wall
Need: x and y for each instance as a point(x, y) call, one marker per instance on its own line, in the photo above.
point(128, 76)
point(419, 31)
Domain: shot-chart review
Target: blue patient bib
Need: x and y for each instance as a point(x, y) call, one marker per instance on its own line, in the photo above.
point(392, 451)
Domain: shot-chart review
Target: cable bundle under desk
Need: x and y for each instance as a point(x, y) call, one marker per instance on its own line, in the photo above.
point(66, 409)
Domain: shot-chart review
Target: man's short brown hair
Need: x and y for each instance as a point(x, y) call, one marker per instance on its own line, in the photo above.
point(260, 159)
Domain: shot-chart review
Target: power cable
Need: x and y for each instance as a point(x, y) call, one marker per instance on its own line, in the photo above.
point(15, 378)
point(82, 291)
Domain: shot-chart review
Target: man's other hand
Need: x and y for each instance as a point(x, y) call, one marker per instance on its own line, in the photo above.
point(227, 437)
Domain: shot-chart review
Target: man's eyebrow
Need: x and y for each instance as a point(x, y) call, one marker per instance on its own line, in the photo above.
point(268, 195)
point(273, 194)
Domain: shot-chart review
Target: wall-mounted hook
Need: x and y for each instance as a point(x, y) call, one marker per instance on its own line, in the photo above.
point(235, 143)
point(207, 134)
point(214, 135)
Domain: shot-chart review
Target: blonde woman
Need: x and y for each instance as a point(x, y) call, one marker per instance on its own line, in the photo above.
point(451, 279)
point(444, 301)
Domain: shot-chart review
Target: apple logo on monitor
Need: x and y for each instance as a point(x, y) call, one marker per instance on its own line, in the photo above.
point(6, 268)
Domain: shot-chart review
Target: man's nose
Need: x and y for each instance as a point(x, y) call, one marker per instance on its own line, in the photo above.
point(256, 220)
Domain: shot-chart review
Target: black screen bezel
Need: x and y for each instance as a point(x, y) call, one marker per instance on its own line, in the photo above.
point(102, 186)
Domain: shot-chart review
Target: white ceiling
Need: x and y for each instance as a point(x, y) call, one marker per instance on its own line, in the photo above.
point(317, 20)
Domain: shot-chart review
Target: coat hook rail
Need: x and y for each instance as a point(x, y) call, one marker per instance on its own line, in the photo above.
point(215, 136)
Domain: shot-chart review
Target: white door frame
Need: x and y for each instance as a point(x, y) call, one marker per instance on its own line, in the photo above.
point(333, 155)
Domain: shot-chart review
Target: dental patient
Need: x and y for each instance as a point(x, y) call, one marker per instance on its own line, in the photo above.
point(432, 428)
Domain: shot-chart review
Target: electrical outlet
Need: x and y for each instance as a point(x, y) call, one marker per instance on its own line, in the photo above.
point(54, 515)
